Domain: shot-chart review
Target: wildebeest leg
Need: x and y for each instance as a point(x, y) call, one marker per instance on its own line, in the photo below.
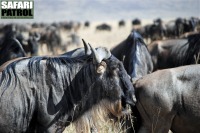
point(154, 119)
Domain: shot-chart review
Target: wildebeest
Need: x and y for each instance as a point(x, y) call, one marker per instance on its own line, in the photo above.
point(104, 27)
point(156, 31)
point(136, 22)
point(29, 44)
point(11, 49)
point(171, 29)
point(32, 44)
point(74, 39)
point(87, 24)
point(51, 36)
point(121, 23)
point(185, 25)
point(151, 32)
point(169, 100)
point(45, 94)
point(178, 27)
point(134, 54)
point(175, 52)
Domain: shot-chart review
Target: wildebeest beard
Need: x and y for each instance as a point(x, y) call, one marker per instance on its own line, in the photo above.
point(46, 93)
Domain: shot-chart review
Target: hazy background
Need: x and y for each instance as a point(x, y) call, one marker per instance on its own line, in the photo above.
point(106, 10)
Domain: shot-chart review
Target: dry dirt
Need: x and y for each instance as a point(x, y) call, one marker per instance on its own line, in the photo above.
point(96, 38)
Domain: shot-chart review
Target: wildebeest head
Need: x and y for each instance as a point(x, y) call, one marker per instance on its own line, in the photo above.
point(109, 69)
point(111, 87)
point(113, 76)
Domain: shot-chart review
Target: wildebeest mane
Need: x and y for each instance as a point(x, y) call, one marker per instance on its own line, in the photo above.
point(189, 51)
point(64, 74)
point(193, 49)
point(34, 68)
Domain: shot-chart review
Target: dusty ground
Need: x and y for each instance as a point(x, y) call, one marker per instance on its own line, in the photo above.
point(105, 38)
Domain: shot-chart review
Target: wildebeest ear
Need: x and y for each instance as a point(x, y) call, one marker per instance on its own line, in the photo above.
point(87, 48)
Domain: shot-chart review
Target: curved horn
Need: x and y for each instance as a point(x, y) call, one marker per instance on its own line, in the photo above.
point(95, 54)
point(87, 48)
point(20, 46)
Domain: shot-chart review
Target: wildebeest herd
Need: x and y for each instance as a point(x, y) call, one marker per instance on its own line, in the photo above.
point(48, 93)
